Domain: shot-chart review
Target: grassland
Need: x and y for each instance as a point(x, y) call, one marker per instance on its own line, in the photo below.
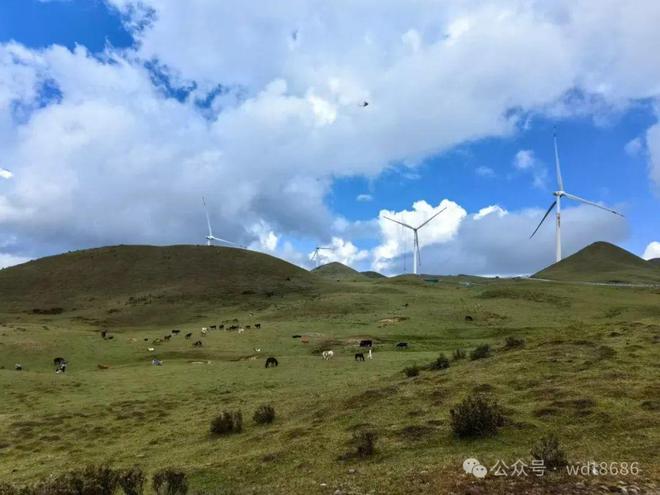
point(588, 371)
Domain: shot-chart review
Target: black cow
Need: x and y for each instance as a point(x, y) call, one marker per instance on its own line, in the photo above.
point(469, 318)
point(167, 337)
point(271, 361)
point(58, 360)
point(366, 343)
point(296, 336)
point(359, 356)
point(198, 344)
point(18, 367)
point(104, 333)
point(213, 327)
point(402, 345)
point(188, 335)
point(110, 337)
point(221, 327)
point(257, 325)
point(176, 332)
point(146, 339)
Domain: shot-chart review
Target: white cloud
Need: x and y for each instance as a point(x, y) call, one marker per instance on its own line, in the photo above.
point(483, 171)
point(526, 162)
point(652, 251)
point(342, 251)
point(364, 198)
point(634, 147)
point(5, 174)
point(524, 159)
point(653, 145)
point(288, 119)
point(7, 260)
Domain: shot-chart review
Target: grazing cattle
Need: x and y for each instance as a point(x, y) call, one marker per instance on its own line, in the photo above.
point(257, 325)
point(146, 339)
point(402, 345)
point(468, 318)
point(296, 336)
point(58, 360)
point(103, 366)
point(271, 361)
point(188, 335)
point(198, 344)
point(61, 368)
point(366, 343)
point(370, 356)
point(405, 305)
point(18, 367)
point(104, 333)
point(327, 354)
point(110, 337)
point(213, 327)
point(233, 327)
point(167, 337)
point(241, 330)
point(176, 332)
point(257, 349)
point(204, 331)
point(359, 356)
point(156, 362)
point(156, 341)
point(248, 327)
point(151, 349)
point(221, 327)
point(304, 339)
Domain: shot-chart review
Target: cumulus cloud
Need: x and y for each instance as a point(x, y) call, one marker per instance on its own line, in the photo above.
point(652, 251)
point(364, 198)
point(272, 114)
point(342, 251)
point(495, 241)
point(526, 162)
point(5, 174)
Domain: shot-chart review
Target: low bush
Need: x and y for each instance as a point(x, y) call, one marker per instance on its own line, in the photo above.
point(477, 416)
point(365, 443)
point(459, 354)
point(132, 481)
point(441, 363)
point(550, 452)
point(170, 482)
point(480, 352)
point(264, 414)
point(227, 422)
point(411, 371)
point(513, 343)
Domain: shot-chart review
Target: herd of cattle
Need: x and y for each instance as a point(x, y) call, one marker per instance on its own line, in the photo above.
point(229, 325)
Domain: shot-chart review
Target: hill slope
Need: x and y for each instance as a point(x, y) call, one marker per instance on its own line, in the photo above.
point(655, 262)
point(372, 274)
point(201, 272)
point(337, 270)
point(602, 262)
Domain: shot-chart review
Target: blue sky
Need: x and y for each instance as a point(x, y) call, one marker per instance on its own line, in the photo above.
point(176, 108)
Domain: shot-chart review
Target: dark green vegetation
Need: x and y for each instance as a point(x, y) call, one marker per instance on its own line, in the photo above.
point(371, 274)
point(587, 372)
point(602, 262)
point(336, 270)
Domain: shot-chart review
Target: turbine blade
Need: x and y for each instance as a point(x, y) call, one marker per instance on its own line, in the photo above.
point(225, 241)
point(560, 182)
point(400, 223)
point(438, 213)
point(554, 203)
point(577, 198)
point(208, 220)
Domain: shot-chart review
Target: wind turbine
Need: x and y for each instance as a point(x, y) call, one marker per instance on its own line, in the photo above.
point(316, 256)
point(210, 238)
point(557, 202)
point(416, 253)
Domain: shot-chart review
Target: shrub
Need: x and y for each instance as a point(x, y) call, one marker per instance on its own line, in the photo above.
point(132, 481)
point(411, 371)
point(264, 414)
point(550, 452)
point(477, 416)
point(169, 481)
point(227, 422)
point(459, 354)
point(480, 352)
point(365, 443)
point(7, 489)
point(513, 342)
point(440, 363)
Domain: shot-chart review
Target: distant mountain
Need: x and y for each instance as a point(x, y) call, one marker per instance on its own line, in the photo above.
point(337, 270)
point(372, 274)
point(133, 273)
point(602, 262)
point(655, 262)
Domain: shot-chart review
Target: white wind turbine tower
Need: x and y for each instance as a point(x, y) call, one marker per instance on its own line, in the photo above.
point(316, 256)
point(416, 253)
point(557, 202)
point(210, 238)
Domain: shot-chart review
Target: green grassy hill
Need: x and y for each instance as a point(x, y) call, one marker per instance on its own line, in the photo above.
point(138, 273)
point(655, 262)
point(337, 270)
point(372, 274)
point(602, 262)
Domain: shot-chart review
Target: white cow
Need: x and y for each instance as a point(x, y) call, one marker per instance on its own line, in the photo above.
point(327, 354)
point(241, 330)
point(369, 355)
point(204, 330)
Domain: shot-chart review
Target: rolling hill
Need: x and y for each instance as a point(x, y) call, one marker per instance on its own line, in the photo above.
point(602, 262)
point(138, 272)
point(655, 262)
point(337, 270)
point(372, 274)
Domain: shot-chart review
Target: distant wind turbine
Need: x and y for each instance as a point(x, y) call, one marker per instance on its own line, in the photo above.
point(557, 202)
point(416, 253)
point(210, 238)
point(317, 255)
